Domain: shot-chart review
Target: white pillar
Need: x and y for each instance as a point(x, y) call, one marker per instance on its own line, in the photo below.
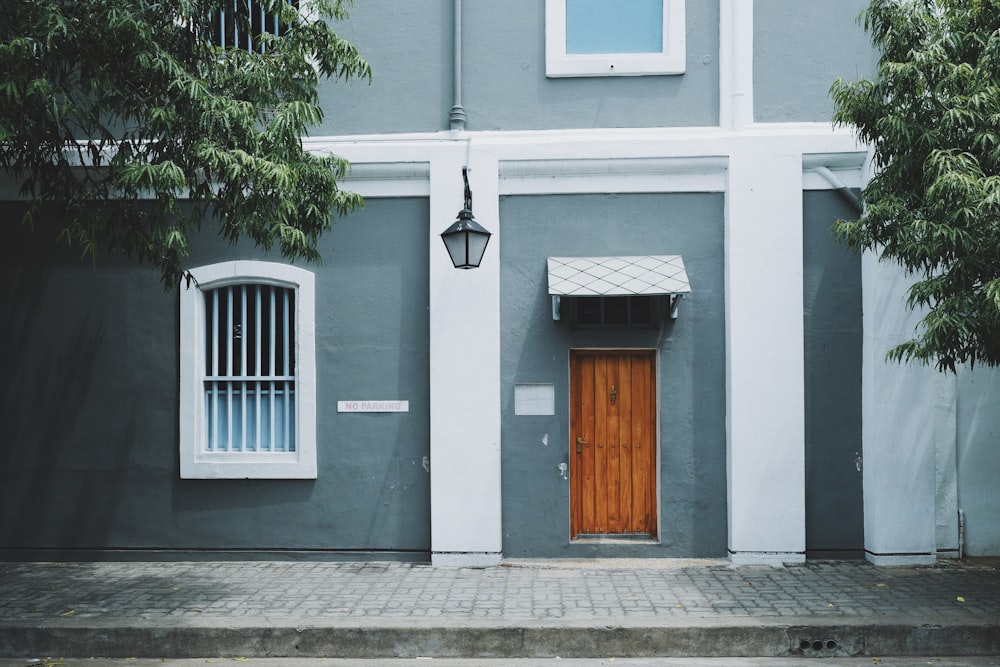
point(765, 448)
point(901, 435)
point(464, 371)
point(946, 465)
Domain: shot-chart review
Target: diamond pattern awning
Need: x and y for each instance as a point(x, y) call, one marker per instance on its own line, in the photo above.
point(617, 276)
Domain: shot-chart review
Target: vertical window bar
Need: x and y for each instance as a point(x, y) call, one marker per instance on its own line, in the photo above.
point(213, 442)
point(248, 33)
point(258, 385)
point(229, 369)
point(273, 400)
point(263, 25)
point(237, 28)
point(233, 28)
point(286, 370)
point(243, 367)
point(222, 28)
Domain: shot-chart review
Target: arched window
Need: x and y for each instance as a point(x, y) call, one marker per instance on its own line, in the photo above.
point(248, 372)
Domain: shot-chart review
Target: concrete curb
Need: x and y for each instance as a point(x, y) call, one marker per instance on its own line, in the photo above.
point(735, 638)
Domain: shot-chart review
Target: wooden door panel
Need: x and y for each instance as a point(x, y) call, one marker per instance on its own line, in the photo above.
point(598, 493)
point(584, 431)
point(624, 491)
point(643, 481)
point(611, 445)
point(613, 417)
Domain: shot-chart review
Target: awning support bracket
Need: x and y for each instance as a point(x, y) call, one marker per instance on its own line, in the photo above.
point(675, 302)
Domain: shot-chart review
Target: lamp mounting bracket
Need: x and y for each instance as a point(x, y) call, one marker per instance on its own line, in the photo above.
point(468, 190)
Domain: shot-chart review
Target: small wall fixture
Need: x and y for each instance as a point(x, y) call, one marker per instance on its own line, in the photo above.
point(466, 239)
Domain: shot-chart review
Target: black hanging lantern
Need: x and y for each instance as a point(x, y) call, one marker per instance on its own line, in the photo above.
point(466, 239)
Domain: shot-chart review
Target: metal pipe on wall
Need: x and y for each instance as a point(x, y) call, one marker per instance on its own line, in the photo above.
point(457, 116)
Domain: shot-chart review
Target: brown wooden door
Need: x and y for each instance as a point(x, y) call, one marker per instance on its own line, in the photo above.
point(612, 442)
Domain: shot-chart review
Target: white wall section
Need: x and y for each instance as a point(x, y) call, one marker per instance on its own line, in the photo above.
point(764, 353)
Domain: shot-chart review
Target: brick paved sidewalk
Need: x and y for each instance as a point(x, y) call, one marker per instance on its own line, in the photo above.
point(598, 593)
point(516, 591)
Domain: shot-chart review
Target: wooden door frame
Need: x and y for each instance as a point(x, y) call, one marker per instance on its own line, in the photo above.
point(655, 353)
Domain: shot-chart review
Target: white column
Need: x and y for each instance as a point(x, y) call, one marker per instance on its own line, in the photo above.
point(464, 371)
point(900, 431)
point(946, 465)
point(765, 448)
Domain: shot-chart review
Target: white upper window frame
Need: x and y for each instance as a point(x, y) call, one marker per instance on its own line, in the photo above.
point(558, 63)
point(195, 461)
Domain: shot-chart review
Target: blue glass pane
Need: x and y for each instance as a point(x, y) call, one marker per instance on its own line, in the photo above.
point(614, 26)
point(227, 435)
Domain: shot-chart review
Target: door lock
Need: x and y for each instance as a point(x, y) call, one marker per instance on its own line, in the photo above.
point(580, 442)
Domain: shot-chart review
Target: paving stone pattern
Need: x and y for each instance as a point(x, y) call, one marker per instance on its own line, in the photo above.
point(516, 591)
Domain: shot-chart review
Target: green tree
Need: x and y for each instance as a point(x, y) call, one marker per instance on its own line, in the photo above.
point(124, 120)
point(932, 117)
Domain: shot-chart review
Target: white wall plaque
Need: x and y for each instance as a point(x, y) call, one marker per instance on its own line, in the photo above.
point(534, 399)
point(373, 406)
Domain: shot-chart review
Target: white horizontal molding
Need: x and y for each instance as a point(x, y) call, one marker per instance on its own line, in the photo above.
point(667, 174)
point(389, 179)
point(571, 161)
point(587, 142)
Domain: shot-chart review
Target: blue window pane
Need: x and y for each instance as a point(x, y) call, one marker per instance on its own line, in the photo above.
point(614, 26)
point(275, 418)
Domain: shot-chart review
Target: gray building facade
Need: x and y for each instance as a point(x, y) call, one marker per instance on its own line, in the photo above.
point(468, 416)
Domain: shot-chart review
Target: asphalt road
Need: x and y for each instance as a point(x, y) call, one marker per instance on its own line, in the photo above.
point(993, 661)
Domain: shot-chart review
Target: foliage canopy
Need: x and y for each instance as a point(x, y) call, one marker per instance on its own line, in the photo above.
point(932, 117)
point(123, 118)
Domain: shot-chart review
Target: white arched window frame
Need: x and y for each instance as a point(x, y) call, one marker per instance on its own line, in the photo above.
point(207, 455)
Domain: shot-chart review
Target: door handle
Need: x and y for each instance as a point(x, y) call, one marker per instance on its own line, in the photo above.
point(580, 442)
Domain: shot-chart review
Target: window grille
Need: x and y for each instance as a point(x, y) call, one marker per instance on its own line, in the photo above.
point(617, 311)
point(250, 377)
point(240, 22)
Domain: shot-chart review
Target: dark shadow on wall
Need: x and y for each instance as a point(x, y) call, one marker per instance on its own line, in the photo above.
point(55, 476)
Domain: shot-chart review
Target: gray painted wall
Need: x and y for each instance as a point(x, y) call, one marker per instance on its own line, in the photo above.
point(833, 341)
point(800, 48)
point(534, 348)
point(978, 458)
point(90, 403)
point(506, 88)
point(504, 83)
point(409, 46)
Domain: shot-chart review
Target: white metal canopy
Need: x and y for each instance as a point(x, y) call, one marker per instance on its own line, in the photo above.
point(645, 275)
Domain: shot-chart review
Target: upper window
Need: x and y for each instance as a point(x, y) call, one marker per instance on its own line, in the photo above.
point(614, 37)
point(247, 372)
point(240, 23)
